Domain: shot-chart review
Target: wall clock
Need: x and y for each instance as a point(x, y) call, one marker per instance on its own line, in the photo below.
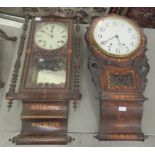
point(47, 80)
point(119, 67)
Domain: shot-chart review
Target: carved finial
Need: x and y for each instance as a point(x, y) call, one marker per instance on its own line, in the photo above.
point(9, 105)
point(146, 136)
point(70, 139)
point(12, 139)
point(96, 136)
point(75, 105)
point(11, 93)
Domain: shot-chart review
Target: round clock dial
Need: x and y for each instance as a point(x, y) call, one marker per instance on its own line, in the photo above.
point(116, 36)
point(51, 36)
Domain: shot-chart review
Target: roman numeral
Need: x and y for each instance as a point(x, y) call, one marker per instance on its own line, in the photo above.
point(100, 36)
point(102, 29)
point(63, 36)
point(133, 37)
point(61, 41)
point(109, 48)
point(132, 43)
point(39, 41)
point(107, 25)
point(114, 24)
point(129, 30)
point(118, 50)
point(102, 43)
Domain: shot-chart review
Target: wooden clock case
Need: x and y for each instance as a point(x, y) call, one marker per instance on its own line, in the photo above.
point(45, 105)
point(120, 82)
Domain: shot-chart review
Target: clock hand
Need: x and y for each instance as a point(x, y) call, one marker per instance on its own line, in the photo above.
point(118, 40)
point(109, 39)
point(52, 28)
point(126, 47)
point(47, 34)
point(121, 43)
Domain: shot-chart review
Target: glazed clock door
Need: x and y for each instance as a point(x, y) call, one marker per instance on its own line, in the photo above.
point(49, 59)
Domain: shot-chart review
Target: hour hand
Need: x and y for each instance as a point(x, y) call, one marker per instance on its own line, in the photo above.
point(45, 32)
point(51, 35)
point(118, 39)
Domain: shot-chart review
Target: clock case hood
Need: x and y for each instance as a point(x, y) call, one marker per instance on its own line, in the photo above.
point(118, 60)
point(47, 91)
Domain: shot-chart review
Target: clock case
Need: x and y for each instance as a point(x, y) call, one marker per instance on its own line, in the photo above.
point(120, 82)
point(45, 106)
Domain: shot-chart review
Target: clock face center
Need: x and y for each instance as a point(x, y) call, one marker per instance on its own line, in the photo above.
point(51, 36)
point(116, 36)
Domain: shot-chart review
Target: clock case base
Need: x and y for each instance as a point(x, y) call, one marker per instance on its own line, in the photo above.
point(42, 139)
point(44, 122)
point(120, 137)
point(123, 125)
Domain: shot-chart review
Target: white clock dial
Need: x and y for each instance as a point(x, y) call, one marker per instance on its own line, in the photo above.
point(116, 36)
point(51, 36)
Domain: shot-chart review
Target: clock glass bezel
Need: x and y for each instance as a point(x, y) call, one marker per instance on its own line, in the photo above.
point(120, 18)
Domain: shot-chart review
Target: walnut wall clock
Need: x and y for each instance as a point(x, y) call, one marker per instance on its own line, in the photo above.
point(119, 67)
point(47, 80)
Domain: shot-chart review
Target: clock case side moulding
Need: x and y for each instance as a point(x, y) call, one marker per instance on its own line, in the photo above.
point(115, 124)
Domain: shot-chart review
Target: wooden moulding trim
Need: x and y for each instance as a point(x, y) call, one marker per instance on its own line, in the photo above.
point(122, 96)
point(42, 96)
point(122, 137)
point(42, 116)
point(32, 139)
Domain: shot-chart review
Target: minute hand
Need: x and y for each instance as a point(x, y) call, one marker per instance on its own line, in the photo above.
point(109, 39)
point(46, 33)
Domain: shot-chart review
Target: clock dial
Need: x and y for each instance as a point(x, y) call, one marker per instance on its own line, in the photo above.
point(116, 36)
point(51, 36)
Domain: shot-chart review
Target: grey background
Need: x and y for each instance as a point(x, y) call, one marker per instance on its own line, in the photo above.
point(84, 123)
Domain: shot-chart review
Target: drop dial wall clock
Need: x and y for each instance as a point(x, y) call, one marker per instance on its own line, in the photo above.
point(47, 80)
point(119, 67)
